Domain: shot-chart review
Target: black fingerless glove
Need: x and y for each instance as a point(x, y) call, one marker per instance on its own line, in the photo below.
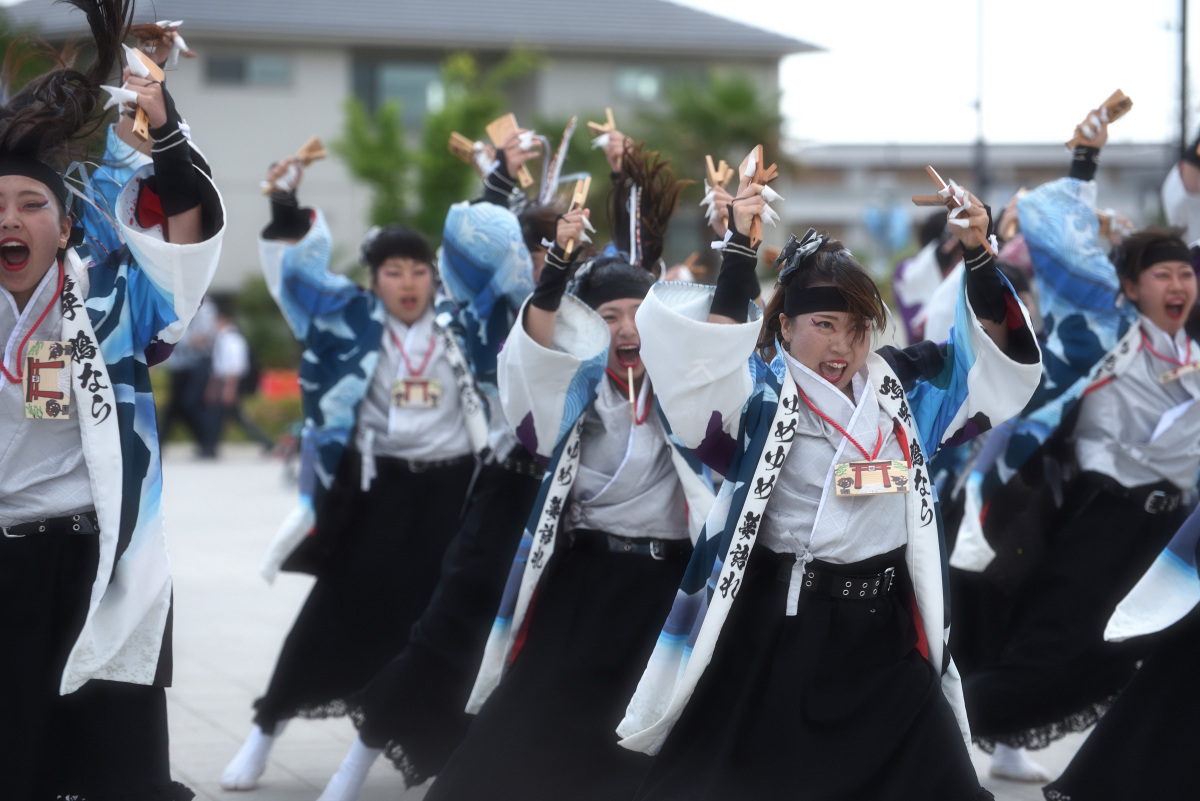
point(498, 185)
point(288, 220)
point(1084, 162)
point(985, 287)
point(553, 282)
point(175, 179)
point(737, 283)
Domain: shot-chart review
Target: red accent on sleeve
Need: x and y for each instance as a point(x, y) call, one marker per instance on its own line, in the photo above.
point(922, 642)
point(149, 211)
point(1015, 319)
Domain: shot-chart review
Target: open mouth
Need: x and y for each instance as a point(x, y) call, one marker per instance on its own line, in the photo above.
point(1175, 310)
point(629, 355)
point(14, 254)
point(833, 371)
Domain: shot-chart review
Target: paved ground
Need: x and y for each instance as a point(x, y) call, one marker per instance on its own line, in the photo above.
point(229, 625)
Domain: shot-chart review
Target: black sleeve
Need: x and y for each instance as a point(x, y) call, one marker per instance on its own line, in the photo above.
point(737, 283)
point(547, 295)
point(1084, 162)
point(288, 219)
point(175, 178)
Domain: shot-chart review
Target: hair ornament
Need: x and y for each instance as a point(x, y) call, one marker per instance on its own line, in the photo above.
point(797, 250)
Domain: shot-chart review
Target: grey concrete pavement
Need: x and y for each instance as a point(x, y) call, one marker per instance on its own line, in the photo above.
point(229, 625)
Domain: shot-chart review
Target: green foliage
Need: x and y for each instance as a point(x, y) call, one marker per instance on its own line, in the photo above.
point(724, 115)
point(474, 97)
point(375, 150)
point(416, 186)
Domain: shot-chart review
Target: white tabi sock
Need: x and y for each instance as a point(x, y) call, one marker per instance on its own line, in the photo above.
point(346, 783)
point(1016, 765)
point(248, 764)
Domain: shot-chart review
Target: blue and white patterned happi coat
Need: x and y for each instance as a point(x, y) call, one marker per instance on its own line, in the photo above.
point(341, 325)
point(127, 298)
point(1083, 320)
point(738, 414)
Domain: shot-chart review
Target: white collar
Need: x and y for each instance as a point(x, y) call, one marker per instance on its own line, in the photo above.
point(1163, 342)
point(423, 324)
point(857, 383)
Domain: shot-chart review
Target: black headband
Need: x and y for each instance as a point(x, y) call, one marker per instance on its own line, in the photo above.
point(617, 289)
point(1166, 251)
point(11, 164)
point(814, 299)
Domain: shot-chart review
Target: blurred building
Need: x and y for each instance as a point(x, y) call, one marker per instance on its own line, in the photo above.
point(271, 73)
point(845, 189)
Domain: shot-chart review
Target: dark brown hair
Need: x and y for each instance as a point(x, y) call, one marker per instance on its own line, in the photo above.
point(830, 265)
point(538, 222)
point(1128, 257)
point(660, 191)
point(48, 118)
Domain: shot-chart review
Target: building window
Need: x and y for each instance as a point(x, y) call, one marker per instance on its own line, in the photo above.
point(639, 84)
point(416, 86)
point(248, 69)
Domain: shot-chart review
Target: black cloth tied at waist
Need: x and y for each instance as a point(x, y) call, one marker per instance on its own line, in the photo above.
point(862, 581)
point(386, 463)
point(589, 540)
point(82, 523)
point(1155, 499)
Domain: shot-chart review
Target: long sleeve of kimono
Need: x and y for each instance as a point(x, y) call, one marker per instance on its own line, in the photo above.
point(967, 385)
point(703, 372)
point(299, 279)
point(1079, 289)
point(544, 390)
point(170, 280)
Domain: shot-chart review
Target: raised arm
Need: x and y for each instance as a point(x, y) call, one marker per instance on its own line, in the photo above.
point(295, 250)
point(542, 312)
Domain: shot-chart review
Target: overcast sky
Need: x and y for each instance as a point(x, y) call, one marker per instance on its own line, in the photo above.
point(905, 70)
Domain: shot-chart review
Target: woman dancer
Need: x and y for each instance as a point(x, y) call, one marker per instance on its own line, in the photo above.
point(813, 609)
point(86, 310)
point(393, 424)
point(609, 537)
point(413, 710)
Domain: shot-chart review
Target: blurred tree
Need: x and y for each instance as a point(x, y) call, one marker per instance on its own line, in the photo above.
point(375, 150)
point(474, 97)
point(723, 115)
point(416, 185)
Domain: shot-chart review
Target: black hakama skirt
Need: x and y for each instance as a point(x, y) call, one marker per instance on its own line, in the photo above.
point(1056, 674)
point(1145, 744)
point(414, 708)
point(548, 731)
point(107, 740)
point(381, 553)
point(835, 702)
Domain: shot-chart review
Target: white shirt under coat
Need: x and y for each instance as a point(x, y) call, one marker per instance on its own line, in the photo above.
point(1116, 431)
point(415, 433)
point(42, 470)
point(804, 516)
point(627, 484)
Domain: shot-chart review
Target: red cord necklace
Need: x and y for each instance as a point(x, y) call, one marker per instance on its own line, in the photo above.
point(624, 386)
point(25, 341)
point(868, 456)
point(1167, 359)
point(404, 355)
